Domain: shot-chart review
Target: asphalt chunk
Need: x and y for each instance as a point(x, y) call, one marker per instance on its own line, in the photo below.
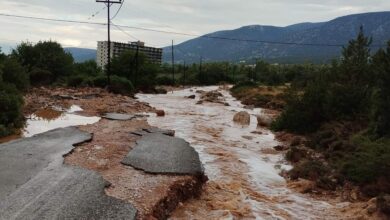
point(119, 117)
point(35, 184)
point(157, 153)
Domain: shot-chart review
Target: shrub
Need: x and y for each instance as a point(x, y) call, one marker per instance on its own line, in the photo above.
point(11, 103)
point(165, 80)
point(41, 77)
point(370, 162)
point(79, 80)
point(120, 85)
point(100, 81)
point(15, 74)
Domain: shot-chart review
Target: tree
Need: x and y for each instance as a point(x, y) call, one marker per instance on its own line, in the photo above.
point(355, 64)
point(46, 56)
point(135, 68)
point(380, 117)
point(14, 73)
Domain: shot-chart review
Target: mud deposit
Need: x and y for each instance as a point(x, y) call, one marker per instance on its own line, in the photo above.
point(239, 160)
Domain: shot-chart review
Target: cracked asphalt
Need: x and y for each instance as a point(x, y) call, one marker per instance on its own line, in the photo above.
point(35, 184)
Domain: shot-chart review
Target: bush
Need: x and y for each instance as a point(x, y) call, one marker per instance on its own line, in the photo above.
point(14, 73)
point(120, 85)
point(370, 162)
point(79, 81)
point(41, 77)
point(165, 80)
point(100, 81)
point(11, 102)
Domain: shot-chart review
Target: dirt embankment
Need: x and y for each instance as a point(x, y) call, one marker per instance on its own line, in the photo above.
point(154, 196)
point(269, 97)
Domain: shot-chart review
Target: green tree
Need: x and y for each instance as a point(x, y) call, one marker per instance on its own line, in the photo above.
point(381, 96)
point(11, 103)
point(135, 68)
point(14, 73)
point(45, 56)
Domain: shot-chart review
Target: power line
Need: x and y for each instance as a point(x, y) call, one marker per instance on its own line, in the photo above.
point(117, 12)
point(123, 31)
point(185, 34)
point(96, 13)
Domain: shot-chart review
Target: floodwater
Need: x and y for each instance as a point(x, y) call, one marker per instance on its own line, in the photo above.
point(243, 169)
point(52, 118)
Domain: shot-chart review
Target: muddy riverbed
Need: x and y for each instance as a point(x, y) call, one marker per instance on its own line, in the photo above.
point(242, 166)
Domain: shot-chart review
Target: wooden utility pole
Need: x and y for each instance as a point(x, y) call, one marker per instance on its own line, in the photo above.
point(184, 73)
point(200, 68)
point(108, 3)
point(173, 65)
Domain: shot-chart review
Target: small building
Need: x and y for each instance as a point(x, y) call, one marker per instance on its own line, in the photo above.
point(153, 54)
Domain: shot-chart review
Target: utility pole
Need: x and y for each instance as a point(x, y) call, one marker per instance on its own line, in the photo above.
point(173, 65)
point(136, 64)
point(184, 73)
point(200, 68)
point(108, 3)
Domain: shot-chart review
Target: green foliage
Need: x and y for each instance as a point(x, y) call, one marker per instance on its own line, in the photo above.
point(48, 56)
point(11, 103)
point(340, 94)
point(165, 80)
point(121, 85)
point(380, 113)
point(15, 74)
point(40, 77)
point(370, 162)
point(303, 113)
point(88, 68)
point(135, 68)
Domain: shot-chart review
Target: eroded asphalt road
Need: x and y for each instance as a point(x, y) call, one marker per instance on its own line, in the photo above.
point(35, 184)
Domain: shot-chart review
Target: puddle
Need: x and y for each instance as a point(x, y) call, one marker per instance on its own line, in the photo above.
point(48, 119)
point(244, 181)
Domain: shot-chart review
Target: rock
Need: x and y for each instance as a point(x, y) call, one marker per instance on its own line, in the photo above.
point(281, 148)
point(257, 132)
point(199, 102)
point(212, 96)
point(161, 91)
point(296, 141)
point(191, 97)
point(160, 113)
point(247, 137)
point(264, 121)
point(296, 154)
point(200, 91)
point(383, 203)
point(227, 104)
point(242, 118)
point(250, 107)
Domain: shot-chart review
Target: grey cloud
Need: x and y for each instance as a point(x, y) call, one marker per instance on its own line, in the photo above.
point(189, 16)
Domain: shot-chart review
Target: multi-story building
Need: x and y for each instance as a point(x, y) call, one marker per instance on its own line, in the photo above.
point(154, 55)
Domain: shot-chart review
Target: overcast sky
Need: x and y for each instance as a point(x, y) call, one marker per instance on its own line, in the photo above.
point(188, 16)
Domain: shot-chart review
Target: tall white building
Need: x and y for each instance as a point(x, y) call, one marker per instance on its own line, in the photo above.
point(154, 55)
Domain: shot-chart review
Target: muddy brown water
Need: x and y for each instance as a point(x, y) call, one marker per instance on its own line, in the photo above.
point(244, 176)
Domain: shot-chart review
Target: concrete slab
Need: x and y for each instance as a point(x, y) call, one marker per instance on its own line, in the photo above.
point(161, 154)
point(146, 131)
point(119, 117)
point(35, 184)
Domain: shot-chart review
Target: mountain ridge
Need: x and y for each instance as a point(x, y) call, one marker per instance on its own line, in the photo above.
point(334, 32)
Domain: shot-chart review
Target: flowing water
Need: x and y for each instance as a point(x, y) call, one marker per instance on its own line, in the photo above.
point(243, 171)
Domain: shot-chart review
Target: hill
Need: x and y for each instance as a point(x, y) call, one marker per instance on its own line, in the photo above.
point(81, 54)
point(338, 31)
